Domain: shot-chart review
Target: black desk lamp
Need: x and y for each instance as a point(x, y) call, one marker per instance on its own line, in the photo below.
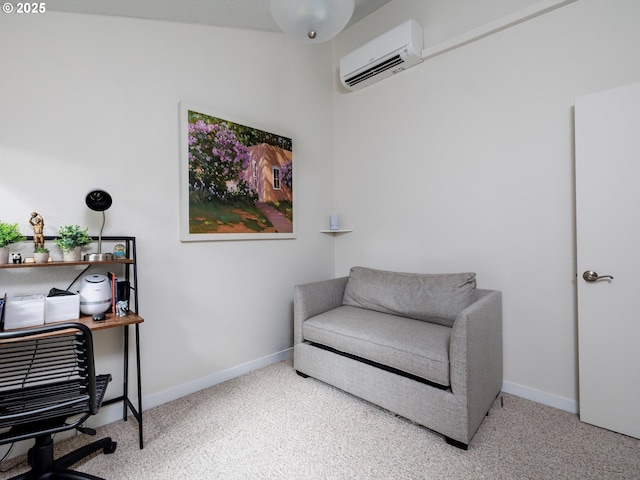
point(99, 201)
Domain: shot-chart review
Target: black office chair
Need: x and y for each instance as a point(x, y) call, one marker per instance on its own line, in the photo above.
point(47, 385)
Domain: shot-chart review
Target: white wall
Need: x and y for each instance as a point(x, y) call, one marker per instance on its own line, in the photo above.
point(465, 163)
point(89, 101)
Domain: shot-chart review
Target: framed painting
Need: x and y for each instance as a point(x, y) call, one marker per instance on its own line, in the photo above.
point(236, 180)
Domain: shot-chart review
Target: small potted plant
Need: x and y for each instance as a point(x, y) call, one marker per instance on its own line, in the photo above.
point(9, 234)
point(70, 240)
point(41, 254)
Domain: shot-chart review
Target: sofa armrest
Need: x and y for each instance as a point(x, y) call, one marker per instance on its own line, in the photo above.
point(312, 299)
point(476, 352)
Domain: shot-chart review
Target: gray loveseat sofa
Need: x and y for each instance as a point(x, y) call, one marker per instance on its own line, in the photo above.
point(426, 347)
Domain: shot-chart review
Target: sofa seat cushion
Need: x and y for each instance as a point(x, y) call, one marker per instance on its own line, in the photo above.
point(412, 346)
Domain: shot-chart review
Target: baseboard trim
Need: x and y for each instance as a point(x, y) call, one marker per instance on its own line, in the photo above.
point(539, 396)
point(214, 379)
point(113, 413)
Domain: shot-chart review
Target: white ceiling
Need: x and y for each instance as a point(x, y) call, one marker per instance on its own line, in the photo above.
point(250, 14)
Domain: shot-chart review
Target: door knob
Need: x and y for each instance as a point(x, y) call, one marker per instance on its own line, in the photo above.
point(591, 276)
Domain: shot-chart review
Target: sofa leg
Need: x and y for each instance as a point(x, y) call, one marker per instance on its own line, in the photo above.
point(456, 443)
point(303, 375)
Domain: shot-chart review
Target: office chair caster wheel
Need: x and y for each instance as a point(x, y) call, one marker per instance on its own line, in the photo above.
point(110, 448)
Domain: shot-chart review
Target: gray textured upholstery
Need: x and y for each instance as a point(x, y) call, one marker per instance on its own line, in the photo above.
point(473, 356)
point(412, 346)
point(436, 298)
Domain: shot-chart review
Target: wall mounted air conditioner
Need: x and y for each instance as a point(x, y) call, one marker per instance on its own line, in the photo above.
point(392, 52)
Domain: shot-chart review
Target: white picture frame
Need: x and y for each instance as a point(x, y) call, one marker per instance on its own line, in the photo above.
point(237, 181)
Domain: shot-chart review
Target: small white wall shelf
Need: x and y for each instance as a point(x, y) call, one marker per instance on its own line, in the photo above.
point(336, 231)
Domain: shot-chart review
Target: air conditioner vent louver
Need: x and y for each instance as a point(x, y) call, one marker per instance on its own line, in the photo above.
point(398, 49)
point(375, 70)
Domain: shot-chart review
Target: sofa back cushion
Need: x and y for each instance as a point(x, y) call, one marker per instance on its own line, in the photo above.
point(437, 298)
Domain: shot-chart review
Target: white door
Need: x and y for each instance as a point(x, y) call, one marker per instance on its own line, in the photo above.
point(607, 129)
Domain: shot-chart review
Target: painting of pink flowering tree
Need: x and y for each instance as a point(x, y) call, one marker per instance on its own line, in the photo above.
point(236, 180)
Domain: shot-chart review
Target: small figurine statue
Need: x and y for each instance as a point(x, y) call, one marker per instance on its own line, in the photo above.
point(37, 222)
point(16, 258)
point(121, 308)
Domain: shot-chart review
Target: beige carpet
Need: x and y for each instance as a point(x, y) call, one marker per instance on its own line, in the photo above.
point(273, 424)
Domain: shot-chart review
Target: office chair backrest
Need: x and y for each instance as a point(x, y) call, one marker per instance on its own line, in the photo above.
point(47, 375)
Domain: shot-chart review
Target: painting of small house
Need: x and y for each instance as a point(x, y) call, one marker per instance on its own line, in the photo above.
point(240, 180)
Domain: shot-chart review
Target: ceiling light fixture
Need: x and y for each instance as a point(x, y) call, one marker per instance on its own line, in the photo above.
point(312, 21)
